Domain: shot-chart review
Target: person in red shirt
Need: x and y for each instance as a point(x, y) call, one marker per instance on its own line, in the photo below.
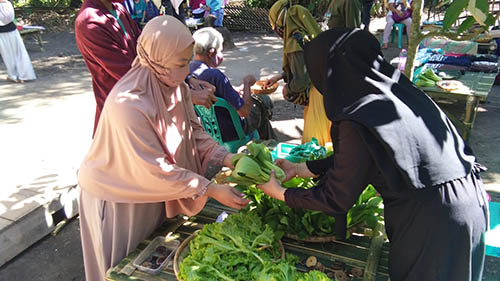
point(107, 53)
point(107, 37)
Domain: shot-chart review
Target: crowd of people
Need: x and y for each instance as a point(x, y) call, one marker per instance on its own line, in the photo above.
point(150, 158)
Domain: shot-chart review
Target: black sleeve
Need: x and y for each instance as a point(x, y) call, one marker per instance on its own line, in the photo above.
point(344, 181)
point(320, 167)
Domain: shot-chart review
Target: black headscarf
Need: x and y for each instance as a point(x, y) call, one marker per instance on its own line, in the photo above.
point(348, 68)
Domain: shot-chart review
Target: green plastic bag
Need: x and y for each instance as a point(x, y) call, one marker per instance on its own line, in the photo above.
point(307, 151)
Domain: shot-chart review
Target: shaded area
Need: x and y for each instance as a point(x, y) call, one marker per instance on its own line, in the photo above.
point(53, 258)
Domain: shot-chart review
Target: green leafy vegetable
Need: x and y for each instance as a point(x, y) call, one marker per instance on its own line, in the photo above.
point(240, 248)
point(254, 168)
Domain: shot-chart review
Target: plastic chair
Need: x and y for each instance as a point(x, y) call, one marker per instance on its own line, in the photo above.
point(211, 126)
point(399, 28)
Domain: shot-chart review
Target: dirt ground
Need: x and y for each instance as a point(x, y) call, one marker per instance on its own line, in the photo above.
point(61, 99)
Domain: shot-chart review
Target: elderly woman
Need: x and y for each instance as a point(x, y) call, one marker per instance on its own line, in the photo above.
point(390, 134)
point(295, 24)
point(12, 50)
point(149, 153)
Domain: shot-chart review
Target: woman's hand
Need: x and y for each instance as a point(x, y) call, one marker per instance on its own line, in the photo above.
point(284, 92)
point(198, 84)
point(273, 188)
point(294, 169)
point(288, 167)
point(227, 195)
point(228, 161)
point(273, 79)
point(202, 92)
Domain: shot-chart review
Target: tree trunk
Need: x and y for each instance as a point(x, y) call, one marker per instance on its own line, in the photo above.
point(415, 37)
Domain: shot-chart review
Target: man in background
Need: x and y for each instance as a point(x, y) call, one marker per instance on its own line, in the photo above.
point(106, 36)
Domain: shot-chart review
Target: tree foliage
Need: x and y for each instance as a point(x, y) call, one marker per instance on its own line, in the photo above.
point(479, 10)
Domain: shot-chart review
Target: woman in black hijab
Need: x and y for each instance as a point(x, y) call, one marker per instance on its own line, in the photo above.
point(388, 133)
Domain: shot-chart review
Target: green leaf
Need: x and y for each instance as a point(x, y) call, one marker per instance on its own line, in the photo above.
point(453, 12)
point(466, 24)
point(479, 10)
point(284, 221)
point(490, 20)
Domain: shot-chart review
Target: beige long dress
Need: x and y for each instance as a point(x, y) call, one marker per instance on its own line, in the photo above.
point(148, 155)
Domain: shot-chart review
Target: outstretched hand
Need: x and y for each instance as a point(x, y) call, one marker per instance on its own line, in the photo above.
point(227, 196)
point(273, 188)
point(288, 167)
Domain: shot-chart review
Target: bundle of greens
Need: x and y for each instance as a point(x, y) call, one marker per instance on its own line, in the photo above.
point(427, 78)
point(306, 223)
point(240, 248)
point(255, 167)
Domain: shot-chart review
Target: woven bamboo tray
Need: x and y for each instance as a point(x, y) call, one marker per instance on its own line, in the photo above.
point(260, 89)
point(183, 251)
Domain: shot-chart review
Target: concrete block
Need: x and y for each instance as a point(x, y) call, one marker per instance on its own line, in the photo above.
point(31, 220)
point(20, 203)
point(21, 234)
point(4, 223)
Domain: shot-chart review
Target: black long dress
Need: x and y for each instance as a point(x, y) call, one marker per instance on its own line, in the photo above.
point(435, 233)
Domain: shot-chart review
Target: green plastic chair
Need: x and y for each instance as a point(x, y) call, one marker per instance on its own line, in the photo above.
point(399, 28)
point(211, 126)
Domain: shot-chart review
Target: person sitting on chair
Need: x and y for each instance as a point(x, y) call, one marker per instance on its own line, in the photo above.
point(254, 111)
point(399, 12)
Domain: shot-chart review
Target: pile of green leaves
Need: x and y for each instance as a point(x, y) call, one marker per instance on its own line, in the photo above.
point(240, 248)
point(304, 223)
point(255, 167)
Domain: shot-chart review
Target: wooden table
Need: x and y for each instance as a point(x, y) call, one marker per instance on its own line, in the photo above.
point(358, 251)
point(35, 33)
point(479, 85)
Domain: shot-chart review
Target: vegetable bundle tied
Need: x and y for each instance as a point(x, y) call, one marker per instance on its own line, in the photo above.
point(254, 168)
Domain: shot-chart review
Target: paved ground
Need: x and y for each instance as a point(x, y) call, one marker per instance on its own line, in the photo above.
point(46, 130)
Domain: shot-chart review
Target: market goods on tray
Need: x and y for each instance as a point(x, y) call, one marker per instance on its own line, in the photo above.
point(260, 88)
point(156, 255)
point(452, 85)
point(240, 248)
point(427, 78)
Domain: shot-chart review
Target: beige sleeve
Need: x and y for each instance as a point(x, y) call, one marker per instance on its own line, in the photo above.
point(129, 164)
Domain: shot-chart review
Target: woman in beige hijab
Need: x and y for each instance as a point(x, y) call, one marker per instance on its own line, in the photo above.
point(149, 153)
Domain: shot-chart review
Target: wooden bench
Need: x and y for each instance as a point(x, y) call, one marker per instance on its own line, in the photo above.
point(479, 85)
point(36, 34)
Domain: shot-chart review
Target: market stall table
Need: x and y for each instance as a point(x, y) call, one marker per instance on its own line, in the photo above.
point(479, 85)
point(370, 257)
point(35, 32)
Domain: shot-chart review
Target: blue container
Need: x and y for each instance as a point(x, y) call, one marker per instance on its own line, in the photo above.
point(493, 235)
